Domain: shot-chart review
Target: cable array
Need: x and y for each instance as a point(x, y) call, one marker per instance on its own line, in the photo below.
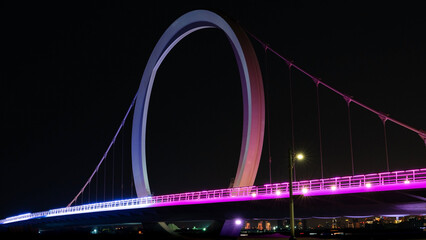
point(349, 99)
point(104, 156)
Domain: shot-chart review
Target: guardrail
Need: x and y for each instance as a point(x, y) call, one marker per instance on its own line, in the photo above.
point(328, 185)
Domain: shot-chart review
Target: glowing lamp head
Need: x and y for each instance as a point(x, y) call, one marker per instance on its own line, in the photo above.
point(368, 185)
point(238, 222)
point(253, 195)
point(300, 156)
point(304, 190)
point(333, 188)
point(278, 192)
point(407, 181)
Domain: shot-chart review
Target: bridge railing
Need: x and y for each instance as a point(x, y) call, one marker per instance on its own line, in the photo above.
point(396, 178)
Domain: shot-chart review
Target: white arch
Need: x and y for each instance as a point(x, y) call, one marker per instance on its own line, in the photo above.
point(252, 88)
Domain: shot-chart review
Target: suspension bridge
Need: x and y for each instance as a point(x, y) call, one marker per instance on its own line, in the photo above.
point(387, 193)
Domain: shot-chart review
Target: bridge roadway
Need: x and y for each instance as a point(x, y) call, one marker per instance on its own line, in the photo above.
point(396, 193)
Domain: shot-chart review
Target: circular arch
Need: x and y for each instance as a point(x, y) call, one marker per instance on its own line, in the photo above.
point(252, 92)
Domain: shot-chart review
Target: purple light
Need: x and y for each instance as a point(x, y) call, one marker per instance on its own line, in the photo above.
point(238, 222)
point(393, 181)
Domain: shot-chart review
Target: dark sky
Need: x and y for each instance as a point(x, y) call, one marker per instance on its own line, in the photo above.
point(70, 72)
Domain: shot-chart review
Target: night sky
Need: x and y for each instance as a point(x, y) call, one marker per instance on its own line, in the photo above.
point(70, 72)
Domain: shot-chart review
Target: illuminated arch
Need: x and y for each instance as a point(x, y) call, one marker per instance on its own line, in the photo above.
point(252, 89)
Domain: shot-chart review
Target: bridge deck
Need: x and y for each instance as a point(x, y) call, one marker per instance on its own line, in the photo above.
point(369, 183)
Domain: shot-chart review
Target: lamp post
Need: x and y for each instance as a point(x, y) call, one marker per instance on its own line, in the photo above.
point(290, 185)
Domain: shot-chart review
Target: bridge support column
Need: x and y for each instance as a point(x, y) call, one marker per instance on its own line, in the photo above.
point(158, 229)
point(231, 228)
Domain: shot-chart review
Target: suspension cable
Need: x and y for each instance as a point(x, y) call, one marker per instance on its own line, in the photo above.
point(319, 128)
point(386, 142)
point(113, 171)
point(106, 152)
point(96, 191)
point(421, 133)
point(291, 114)
point(348, 102)
point(268, 106)
point(105, 170)
point(122, 162)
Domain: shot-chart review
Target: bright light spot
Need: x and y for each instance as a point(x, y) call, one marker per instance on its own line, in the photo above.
point(253, 195)
point(368, 185)
point(333, 188)
point(204, 229)
point(304, 190)
point(238, 222)
point(300, 156)
point(278, 192)
point(407, 181)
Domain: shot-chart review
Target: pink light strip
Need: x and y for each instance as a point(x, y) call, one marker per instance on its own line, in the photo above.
point(375, 182)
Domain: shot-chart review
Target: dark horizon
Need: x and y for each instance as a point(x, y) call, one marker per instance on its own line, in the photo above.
point(72, 72)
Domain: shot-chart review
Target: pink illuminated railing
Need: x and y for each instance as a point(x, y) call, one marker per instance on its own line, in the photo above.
point(385, 181)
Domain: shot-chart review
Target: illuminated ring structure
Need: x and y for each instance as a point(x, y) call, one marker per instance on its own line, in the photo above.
point(252, 91)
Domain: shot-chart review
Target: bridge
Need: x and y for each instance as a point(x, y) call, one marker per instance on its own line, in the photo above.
point(369, 183)
point(391, 193)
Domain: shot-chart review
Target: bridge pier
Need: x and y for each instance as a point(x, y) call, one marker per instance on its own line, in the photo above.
point(158, 229)
point(231, 228)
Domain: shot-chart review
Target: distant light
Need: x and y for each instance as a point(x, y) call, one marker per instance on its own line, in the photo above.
point(407, 181)
point(204, 229)
point(304, 190)
point(333, 188)
point(238, 222)
point(368, 185)
point(300, 156)
point(278, 192)
point(253, 195)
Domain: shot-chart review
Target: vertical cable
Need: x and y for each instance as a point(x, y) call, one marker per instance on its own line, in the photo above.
point(122, 163)
point(131, 184)
point(384, 118)
point(97, 180)
point(113, 170)
point(291, 114)
point(105, 170)
point(319, 128)
point(348, 102)
point(268, 113)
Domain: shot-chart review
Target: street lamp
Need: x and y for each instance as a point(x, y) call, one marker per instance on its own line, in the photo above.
point(291, 163)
